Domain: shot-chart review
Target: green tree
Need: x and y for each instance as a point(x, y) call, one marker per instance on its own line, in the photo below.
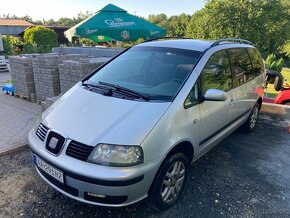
point(44, 39)
point(160, 20)
point(272, 63)
point(198, 26)
point(286, 49)
point(264, 22)
point(82, 16)
point(64, 21)
point(50, 22)
point(177, 25)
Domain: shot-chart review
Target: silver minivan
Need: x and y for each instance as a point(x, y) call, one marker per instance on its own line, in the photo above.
point(132, 128)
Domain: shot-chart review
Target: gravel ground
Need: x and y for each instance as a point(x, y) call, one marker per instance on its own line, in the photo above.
point(247, 175)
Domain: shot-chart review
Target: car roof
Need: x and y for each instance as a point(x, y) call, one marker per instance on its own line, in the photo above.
point(189, 44)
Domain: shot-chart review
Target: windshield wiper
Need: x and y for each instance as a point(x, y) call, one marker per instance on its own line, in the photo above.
point(125, 90)
point(93, 87)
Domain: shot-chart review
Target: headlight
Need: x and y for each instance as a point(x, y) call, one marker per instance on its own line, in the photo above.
point(116, 155)
point(36, 124)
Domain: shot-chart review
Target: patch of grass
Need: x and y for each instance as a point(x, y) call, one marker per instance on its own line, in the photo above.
point(271, 91)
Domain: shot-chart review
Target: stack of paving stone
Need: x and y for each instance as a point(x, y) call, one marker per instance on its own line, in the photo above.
point(22, 76)
point(72, 57)
point(46, 76)
point(70, 72)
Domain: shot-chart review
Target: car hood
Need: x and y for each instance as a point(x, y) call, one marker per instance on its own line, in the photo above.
point(92, 118)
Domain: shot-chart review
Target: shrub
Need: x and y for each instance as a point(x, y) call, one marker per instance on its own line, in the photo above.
point(42, 38)
point(286, 49)
point(29, 48)
point(272, 63)
point(12, 45)
point(86, 42)
point(7, 45)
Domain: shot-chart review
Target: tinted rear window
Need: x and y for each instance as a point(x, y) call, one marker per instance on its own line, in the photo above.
point(257, 61)
point(217, 73)
point(242, 65)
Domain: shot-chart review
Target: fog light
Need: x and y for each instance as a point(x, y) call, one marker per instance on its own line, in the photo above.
point(96, 195)
point(105, 199)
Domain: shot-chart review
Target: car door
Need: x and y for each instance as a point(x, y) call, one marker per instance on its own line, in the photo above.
point(215, 116)
point(244, 81)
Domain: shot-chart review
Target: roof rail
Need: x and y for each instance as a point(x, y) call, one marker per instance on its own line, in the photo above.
point(231, 40)
point(165, 37)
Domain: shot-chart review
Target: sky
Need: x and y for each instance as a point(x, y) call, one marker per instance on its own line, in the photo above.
point(54, 9)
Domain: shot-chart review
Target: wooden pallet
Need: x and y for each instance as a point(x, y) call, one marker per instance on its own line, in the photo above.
point(4, 70)
point(21, 96)
point(3, 67)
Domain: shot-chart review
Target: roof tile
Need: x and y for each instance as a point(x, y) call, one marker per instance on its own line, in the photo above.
point(14, 22)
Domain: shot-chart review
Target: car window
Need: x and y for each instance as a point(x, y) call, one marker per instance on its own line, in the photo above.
point(155, 71)
point(217, 73)
point(242, 66)
point(192, 98)
point(257, 61)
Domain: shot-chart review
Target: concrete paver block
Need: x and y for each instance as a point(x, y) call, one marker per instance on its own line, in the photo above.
point(17, 119)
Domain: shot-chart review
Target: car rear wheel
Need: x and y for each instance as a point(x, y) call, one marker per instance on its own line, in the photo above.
point(10, 93)
point(250, 124)
point(287, 102)
point(169, 181)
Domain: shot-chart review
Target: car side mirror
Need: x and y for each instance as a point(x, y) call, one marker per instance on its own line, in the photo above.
point(215, 95)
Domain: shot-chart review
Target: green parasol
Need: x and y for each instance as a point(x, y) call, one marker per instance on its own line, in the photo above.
point(114, 22)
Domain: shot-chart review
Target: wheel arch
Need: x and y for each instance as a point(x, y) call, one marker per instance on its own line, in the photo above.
point(260, 102)
point(184, 147)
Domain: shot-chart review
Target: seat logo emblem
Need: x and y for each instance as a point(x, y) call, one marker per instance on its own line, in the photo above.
point(53, 142)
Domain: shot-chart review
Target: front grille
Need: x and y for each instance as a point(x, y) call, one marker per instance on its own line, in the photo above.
point(41, 132)
point(54, 142)
point(78, 150)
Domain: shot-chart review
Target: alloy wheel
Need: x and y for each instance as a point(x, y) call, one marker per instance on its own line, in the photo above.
point(254, 117)
point(173, 181)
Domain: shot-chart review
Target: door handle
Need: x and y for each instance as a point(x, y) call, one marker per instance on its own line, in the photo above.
point(232, 102)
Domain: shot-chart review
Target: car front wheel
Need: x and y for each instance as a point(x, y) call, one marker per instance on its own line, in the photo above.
point(169, 182)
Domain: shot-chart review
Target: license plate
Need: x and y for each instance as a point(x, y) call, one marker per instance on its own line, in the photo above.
point(55, 173)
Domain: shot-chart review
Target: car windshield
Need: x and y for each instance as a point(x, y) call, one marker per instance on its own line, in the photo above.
point(156, 72)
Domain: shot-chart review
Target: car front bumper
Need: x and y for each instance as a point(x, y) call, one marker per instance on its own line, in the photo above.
point(95, 184)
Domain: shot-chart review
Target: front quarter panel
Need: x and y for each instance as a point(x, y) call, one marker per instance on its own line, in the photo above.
point(176, 126)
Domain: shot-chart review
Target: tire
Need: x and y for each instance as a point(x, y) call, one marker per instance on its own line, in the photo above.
point(5, 92)
point(10, 93)
point(169, 182)
point(252, 120)
point(278, 83)
point(287, 102)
